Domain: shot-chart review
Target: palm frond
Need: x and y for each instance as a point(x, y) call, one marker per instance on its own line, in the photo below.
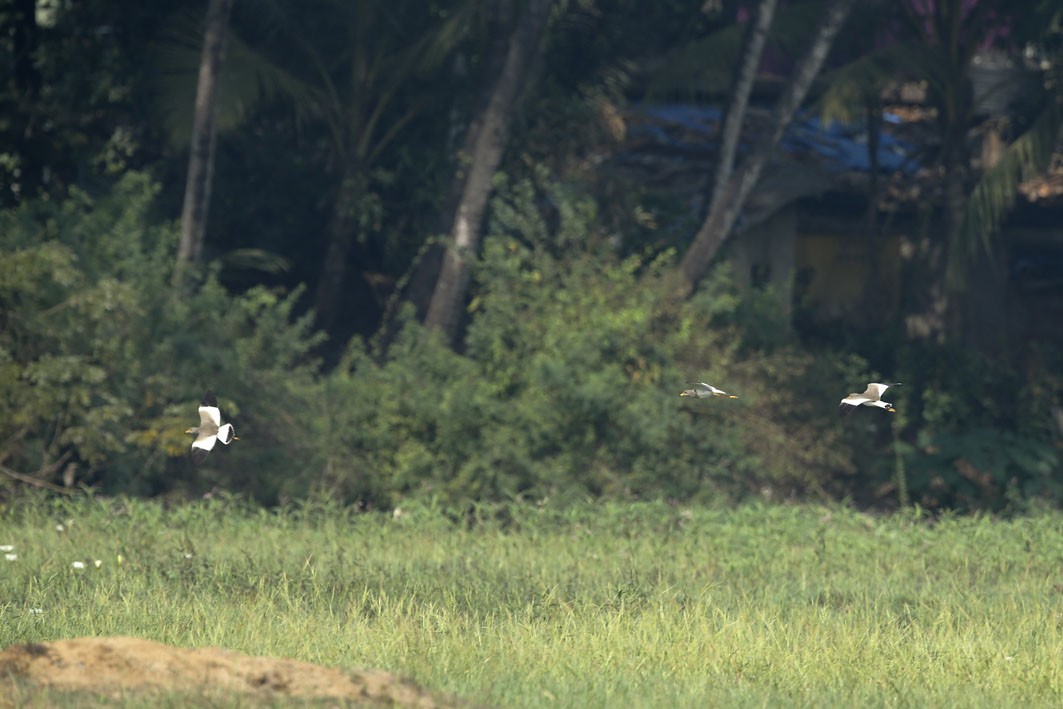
point(442, 40)
point(177, 54)
point(700, 68)
point(251, 76)
point(794, 25)
point(997, 189)
point(248, 78)
point(256, 260)
point(706, 67)
point(845, 89)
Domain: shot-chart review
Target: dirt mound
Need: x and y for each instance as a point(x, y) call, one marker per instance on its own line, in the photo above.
point(122, 665)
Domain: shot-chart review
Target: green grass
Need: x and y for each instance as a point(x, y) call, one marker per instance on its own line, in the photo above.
point(592, 606)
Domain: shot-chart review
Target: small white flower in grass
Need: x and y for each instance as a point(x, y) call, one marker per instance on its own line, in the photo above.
point(188, 555)
point(78, 564)
point(97, 563)
point(7, 547)
point(36, 611)
point(60, 528)
point(11, 557)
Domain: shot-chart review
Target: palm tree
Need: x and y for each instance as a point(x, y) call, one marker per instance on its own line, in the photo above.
point(365, 109)
point(730, 197)
point(204, 135)
point(936, 43)
point(852, 91)
point(1030, 153)
point(487, 139)
point(351, 68)
point(741, 89)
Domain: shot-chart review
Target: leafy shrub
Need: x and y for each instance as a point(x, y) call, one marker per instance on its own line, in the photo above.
point(978, 435)
point(102, 364)
point(569, 379)
point(566, 386)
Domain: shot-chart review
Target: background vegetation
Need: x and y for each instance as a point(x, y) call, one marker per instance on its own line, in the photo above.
point(563, 380)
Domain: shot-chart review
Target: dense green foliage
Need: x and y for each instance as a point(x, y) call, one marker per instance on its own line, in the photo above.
point(103, 364)
point(978, 445)
point(566, 386)
point(607, 605)
point(569, 380)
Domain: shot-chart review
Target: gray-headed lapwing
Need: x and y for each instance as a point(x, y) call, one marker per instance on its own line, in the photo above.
point(210, 429)
point(871, 397)
point(701, 390)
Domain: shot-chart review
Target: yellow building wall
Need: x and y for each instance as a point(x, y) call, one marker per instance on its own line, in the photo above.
point(832, 270)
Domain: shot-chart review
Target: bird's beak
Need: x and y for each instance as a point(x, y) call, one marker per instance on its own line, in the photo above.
point(190, 430)
point(892, 410)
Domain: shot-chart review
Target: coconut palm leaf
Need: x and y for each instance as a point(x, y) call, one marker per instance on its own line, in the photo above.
point(845, 89)
point(284, 60)
point(707, 65)
point(256, 260)
point(703, 67)
point(249, 78)
point(997, 189)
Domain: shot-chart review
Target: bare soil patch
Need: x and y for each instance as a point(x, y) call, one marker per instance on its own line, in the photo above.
point(120, 665)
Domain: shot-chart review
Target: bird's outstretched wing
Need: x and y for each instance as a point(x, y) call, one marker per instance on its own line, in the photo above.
point(875, 389)
point(226, 433)
point(201, 447)
point(702, 390)
point(849, 403)
point(208, 410)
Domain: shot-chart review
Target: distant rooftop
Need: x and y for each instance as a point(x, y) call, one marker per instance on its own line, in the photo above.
point(673, 147)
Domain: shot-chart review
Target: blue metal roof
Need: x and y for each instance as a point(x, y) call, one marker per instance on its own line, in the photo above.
point(840, 147)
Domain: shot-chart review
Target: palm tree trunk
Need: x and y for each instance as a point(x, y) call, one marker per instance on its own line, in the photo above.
point(485, 157)
point(25, 36)
point(427, 265)
point(956, 259)
point(718, 223)
point(204, 135)
point(741, 88)
point(341, 234)
point(872, 302)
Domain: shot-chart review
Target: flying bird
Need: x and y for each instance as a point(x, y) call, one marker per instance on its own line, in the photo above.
point(871, 397)
point(701, 390)
point(210, 429)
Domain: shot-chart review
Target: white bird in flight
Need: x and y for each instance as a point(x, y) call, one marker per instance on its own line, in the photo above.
point(871, 397)
point(701, 390)
point(210, 429)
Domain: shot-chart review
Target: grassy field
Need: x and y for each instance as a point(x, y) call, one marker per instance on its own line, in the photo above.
point(592, 606)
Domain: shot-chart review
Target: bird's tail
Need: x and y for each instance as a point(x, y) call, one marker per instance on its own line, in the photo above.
point(226, 433)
